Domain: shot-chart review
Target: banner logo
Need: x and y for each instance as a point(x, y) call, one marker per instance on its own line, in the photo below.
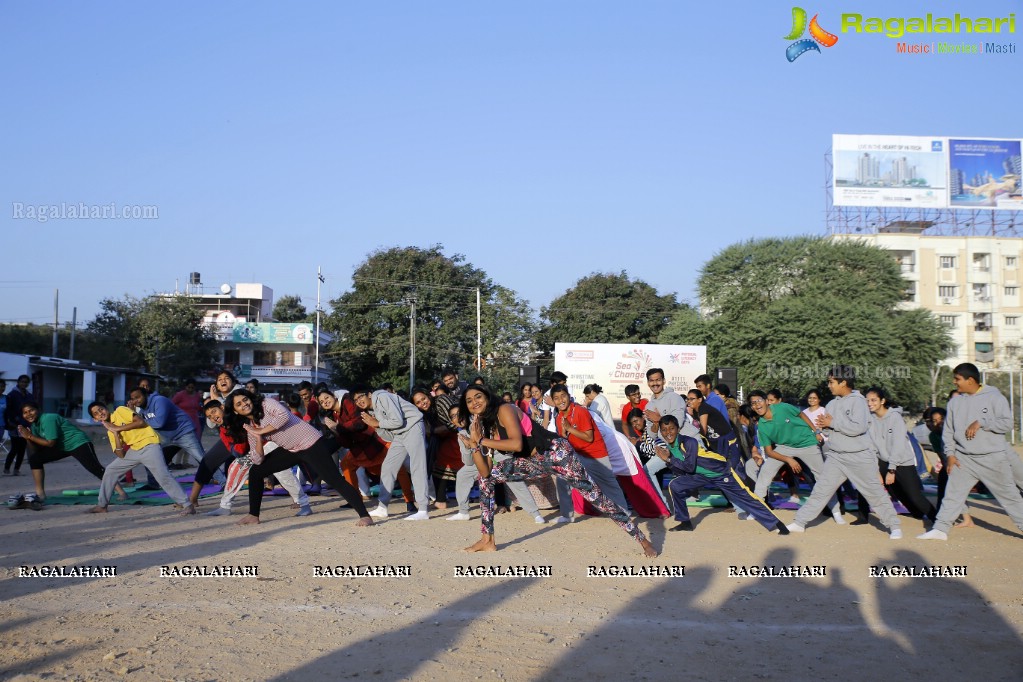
point(803, 45)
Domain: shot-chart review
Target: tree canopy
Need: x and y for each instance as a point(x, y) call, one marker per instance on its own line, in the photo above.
point(782, 311)
point(161, 334)
point(607, 308)
point(289, 308)
point(372, 320)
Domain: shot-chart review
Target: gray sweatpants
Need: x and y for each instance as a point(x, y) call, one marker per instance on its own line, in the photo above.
point(861, 470)
point(810, 456)
point(520, 489)
point(410, 445)
point(994, 471)
point(464, 479)
point(151, 457)
point(601, 473)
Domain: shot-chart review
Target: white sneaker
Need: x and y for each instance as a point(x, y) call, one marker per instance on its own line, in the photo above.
point(895, 534)
point(795, 528)
point(837, 516)
point(563, 519)
point(933, 535)
point(796, 499)
point(539, 519)
point(380, 512)
point(418, 516)
point(219, 511)
point(460, 516)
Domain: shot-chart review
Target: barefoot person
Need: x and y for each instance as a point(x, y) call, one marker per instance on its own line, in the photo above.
point(52, 438)
point(134, 447)
point(498, 427)
point(258, 419)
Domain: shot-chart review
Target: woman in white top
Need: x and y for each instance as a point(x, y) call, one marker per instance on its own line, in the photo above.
point(814, 407)
point(597, 403)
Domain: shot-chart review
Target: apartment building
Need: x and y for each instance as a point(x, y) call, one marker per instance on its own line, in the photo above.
point(971, 283)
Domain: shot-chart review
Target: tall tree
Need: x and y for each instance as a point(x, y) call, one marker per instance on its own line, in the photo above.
point(372, 321)
point(162, 334)
point(607, 308)
point(783, 311)
point(290, 308)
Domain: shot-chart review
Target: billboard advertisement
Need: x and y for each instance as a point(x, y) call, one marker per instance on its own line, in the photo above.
point(271, 332)
point(889, 170)
point(984, 174)
point(616, 365)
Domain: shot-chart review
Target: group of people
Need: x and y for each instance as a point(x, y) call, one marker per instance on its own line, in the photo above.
point(453, 433)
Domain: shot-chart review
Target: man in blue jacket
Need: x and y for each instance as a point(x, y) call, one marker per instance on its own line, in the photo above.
point(695, 467)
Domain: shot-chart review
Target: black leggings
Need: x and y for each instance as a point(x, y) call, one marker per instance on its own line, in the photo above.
point(317, 457)
point(211, 461)
point(85, 454)
point(17, 453)
point(906, 489)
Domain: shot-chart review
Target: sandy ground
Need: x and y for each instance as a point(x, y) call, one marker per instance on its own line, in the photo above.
point(289, 625)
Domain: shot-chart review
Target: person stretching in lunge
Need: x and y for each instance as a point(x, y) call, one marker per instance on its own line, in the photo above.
point(848, 454)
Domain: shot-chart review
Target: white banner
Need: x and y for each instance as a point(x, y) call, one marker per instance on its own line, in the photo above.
point(613, 366)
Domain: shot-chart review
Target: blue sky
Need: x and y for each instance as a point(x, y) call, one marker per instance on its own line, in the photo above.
point(545, 140)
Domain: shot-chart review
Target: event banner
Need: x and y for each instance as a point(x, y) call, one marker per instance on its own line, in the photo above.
point(271, 332)
point(613, 366)
point(889, 170)
point(926, 172)
point(984, 174)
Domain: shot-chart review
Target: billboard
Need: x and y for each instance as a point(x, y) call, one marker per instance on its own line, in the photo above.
point(984, 174)
point(616, 365)
point(271, 332)
point(889, 170)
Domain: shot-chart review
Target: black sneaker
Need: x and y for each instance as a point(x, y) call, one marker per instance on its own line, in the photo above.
point(685, 525)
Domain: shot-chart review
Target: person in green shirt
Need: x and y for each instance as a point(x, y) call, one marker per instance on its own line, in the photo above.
point(52, 437)
point(788, 439)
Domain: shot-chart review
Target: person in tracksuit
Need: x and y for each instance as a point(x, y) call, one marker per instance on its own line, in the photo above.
point(975, 450)
point(848, 454)
point(399, 423)
point(895, 457)
point(696, 466)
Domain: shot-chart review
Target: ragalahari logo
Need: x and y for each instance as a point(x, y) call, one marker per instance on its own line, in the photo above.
point(804, 45)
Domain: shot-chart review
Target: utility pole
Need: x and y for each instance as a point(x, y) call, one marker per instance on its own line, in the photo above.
point(56, 316)
point(74, 327)
point(316, 361)
point(412, 342)
point(479, 334)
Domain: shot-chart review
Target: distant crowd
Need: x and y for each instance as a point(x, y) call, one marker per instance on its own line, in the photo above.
point(541, 449)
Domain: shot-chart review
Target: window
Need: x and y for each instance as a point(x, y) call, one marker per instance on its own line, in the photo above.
point(1012, 320)
point(264, 357)
point(982, 322)
point(910, 292)
point(1012, 291)
point(947, 292)
point(1010, 261)
point(947, 262)
point(949, 320)
point(982, 261)
point(232, 358)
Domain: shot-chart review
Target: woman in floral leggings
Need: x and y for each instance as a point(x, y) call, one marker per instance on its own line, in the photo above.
point(497, 426)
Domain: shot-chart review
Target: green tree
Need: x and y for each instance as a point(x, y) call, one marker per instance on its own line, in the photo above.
point(161, 334)
point(372, 321)
point(607, 308)
point(783, 311)
point(290, 309)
